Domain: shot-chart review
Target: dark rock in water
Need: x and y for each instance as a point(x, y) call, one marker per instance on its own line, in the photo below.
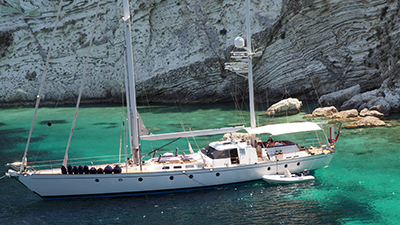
point(339, 97)
point(374, 100)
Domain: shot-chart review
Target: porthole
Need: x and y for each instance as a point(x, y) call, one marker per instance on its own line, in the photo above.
point(298, 164)
point(120, 180)
point(217, 174)
point(285, 165)
point(97, 180)
point(191, 176)
point(140, 179)
point(171, 177)
point(269, 168)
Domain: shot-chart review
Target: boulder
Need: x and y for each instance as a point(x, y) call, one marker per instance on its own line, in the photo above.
point(392, 96)
point(339, 97)
point(368, 121)
point(365, 112)
point(285, 107)
point(345, 114)
point(368, 100)
point(325, 111)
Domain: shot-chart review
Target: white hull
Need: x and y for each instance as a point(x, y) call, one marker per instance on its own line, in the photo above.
point(139, 183)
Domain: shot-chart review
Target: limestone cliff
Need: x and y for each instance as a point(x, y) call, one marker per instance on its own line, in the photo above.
point(310, 48)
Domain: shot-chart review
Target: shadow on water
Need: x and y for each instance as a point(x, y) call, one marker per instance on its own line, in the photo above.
point(46, 122)
point(107, 125)
point(10, 141)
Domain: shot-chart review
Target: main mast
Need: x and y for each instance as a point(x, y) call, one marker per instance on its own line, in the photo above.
point(131, 92)
point(244, 54)
point(250, 68)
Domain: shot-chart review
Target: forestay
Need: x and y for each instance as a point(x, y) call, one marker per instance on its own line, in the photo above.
point(152, 137)
point(284, 128)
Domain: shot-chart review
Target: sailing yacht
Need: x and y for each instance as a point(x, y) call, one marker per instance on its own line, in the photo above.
point(236, 159)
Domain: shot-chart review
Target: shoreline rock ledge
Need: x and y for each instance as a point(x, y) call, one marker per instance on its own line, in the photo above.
point(368, 121)
point(366, 118)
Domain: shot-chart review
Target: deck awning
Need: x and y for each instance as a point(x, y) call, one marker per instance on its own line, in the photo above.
point(284, 128)
point(152, 137)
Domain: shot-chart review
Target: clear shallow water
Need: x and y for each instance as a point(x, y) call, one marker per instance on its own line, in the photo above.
point(360, 186)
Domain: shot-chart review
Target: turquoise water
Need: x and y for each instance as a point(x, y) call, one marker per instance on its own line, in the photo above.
point(360, 186)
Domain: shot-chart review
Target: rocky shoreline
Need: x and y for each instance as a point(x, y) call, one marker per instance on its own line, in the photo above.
point(366, 118)
point(354, 118)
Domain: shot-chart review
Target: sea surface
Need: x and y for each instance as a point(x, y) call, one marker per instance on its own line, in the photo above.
point(361, 185)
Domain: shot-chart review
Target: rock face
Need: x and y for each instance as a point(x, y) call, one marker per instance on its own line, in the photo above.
point(180, 48)
point(285, 107)
point(368, 121)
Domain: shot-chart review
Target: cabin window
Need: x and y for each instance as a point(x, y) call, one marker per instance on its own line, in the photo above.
point(165, 168)
point(214, 153)
point(177, 167)
point(189, 166)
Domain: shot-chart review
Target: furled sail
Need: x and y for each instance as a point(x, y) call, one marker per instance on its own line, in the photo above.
point(152, 137)
point(284, 128)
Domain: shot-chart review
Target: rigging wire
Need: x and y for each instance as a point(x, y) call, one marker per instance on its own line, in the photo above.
point(39, 96)
point(183, 126)
point(308, 72)
point(51, 119)
point(303, 58)
point(122, 131)
point(82, 85)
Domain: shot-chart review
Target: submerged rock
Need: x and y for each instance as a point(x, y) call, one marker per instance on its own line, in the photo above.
point(368, 121)
point(285, 107)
